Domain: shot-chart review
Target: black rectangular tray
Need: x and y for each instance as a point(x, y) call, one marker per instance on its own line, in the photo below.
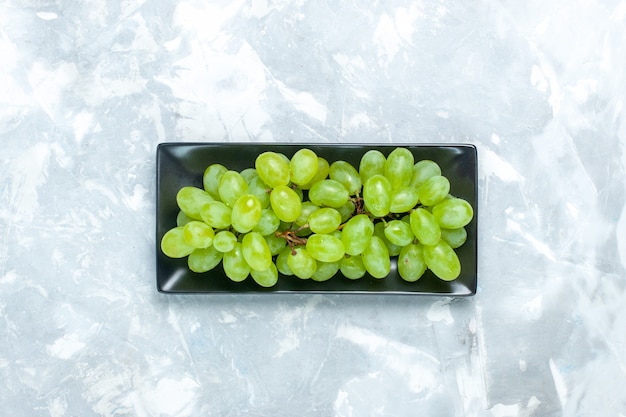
point(182, 164)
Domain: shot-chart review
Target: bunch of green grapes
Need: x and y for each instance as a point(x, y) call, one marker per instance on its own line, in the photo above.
point(307, 218)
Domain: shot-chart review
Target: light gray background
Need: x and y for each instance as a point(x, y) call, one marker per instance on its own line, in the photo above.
point(89, 88)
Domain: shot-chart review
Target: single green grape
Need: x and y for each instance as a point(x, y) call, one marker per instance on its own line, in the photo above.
point(399, 232)
point(211, 179)
point(256, 251)
point(204, 260)
point(425, 227)
point(191, 200)
point(454, 237)
point(266, 278)
point(398, 168)
point(198, 234)
point(174, 244)
point(285, 203)
point(423, 170)
point(325, 271)
point(453, 213)
point(325, 248)
point(329, 193)
point(411, 264)
point(273, 168)
point(442, 260)
point(301, 263)
point(433, 190)
point(235, 266)
point(376, 258)
point(356, 234)
point(352, 267)
point(268, 223)
point(344, 173)
point(249, 174)
point(216, 214)
point(403, 199)
point(324, 220)
point(303, 166)
point(246, 213)
point(321, 173)
point(232, 186)
point(224, 241)
point(377, 195)
point(282, 261)
point(372, 163)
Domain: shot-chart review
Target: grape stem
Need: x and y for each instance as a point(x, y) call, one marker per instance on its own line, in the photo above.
point(292, 238)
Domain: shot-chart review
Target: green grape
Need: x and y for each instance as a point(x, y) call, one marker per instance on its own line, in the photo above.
point(216, 214)
point(346, 211)
point(399, 168)
point(423, 170)
point(352, 267)
point(198, 234)
point(205, 259)
point(232, 186)
point(301, 263)
point(249, 174)
point(376, 258)
point(275, 243)
point(379, 230)
point(281, 261)
point(329, 193)
point(377, 195)
point(324, 220)
point(411, 264)
point(266, 278)
point(174, 244)
point(452, 213)
point(273, 168)
point(442, 260)
point(235, 266)
point(425, 227)
point(268, 223)
point(372, 163)
point(285, 203)
point(182, 219)
point(433, 190)
point(246, 213)
point(303, 166)
point(224, 241)
point(325, 271)
point(320, 174)
point(257, 187)
point(211, 179)
point(399, 232)
point(347, 175)
point(454, 237)
point(256, 251)
point(191, 199)
point(356, 234)
point(325, 248)
point(403, 200)
point(307, 209)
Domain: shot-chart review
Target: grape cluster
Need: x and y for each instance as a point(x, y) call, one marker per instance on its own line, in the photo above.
point(304, 217)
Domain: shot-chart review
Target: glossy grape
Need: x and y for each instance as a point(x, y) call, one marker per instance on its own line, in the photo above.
point(211, 179)
point(403, 200)
point(398, 168)
point(273, 169)
point(376, 258)
point(399, 232)
point(372, 163)
point(352, 267)
point(347, 175)
point(285, 203)
point(303, 166)
point(377, 195)
point(325, 271)
point(268, 222)
point(356, 234)
point(198, 234)
point(453, 213)
point(224, 241)
point(235, 266)
point(322, 172)
point(411, 264)
point(423, 170)
point(442, 260)
point(454, 237)
point(425, 227)
point(204, 260)
point(266, 278)
point(325, 248)
point(216, 214)
point(433, 190)
point(256, 251)
point(191, 200)
point(232, 186)
point(174, 244)
point(301, 263)
point(324, 220)
point(246, 213)
point(329, 193)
